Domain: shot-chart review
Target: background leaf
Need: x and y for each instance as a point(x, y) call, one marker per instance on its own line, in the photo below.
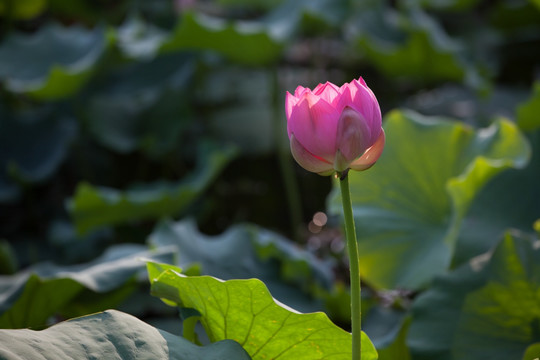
point(532, 352)
point(30, 297)
point(22, 9)
point(491, 307)
point(93, 207)
point(494, 210)
point(131, 112)
point(528, 113)
point(409, 44)
point(111, 334)
point(242, 42)
point(32, 146)
point(248, 251)
point(67, 58)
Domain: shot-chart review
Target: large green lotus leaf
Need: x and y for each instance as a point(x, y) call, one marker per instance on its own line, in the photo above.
point(398, 349)
point(29, 298)
point(408, 208)
point(414, 47)
point(22, 9)
point(109, 335)
point(32, 146)
point(93, 207)
point(528, 114)
point(488, 308)
point(143, 106)
point(244, 311)
point(243, 42)
point(386, 327)
point(67, 57)
point(248, 251)
point(509, 201)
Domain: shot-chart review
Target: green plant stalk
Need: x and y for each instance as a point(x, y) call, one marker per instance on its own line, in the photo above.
point(189, 329)
point(354, 266)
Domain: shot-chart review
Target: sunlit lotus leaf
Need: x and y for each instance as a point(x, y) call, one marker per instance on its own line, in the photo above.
point(528, 113)
point(409, 207)
point(244, 311)
point(489, 307)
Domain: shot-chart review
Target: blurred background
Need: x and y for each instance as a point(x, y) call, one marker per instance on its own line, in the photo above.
point(118, 114)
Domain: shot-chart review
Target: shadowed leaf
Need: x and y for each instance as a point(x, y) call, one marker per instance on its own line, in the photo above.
point(111, 335)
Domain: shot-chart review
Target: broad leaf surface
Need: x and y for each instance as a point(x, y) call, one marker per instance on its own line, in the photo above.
point(314, 16)
point(93, 207)
point(244, 311)
point(109, 335)
point(452, 5)
point(242, 42)
point(29, 298)
point(32, 147)
point(139, 39)
point(241, 108)
point(408, 208)
point(409, 45)
point(398, 349)
point(528, 114)
point(248, 251)
point(509, 201)
point(387, 328)
point(67, 57)
point(22, 9)
point(8, 260)
point(532, 352)
point(131, 112)
point(489, 308)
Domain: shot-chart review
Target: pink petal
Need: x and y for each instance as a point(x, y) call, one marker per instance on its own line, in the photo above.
point(318, 88)
point(362, 81)
point(371, 155)
point(345, 98)
point(314, 123)
point(299, 91)
point(352, 140)
point(364, 101)
point(309, 161)
point(327, 91)
point(290, 102)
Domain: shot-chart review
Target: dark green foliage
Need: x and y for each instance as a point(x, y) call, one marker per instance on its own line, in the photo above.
point(134, 131)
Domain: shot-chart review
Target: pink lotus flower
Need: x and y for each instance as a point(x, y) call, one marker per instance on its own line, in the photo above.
point(334, 128)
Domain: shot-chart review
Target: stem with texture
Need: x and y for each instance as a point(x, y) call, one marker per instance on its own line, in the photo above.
point(354, 265)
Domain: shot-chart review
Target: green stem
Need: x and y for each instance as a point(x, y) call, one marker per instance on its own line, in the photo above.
point(354, 266)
